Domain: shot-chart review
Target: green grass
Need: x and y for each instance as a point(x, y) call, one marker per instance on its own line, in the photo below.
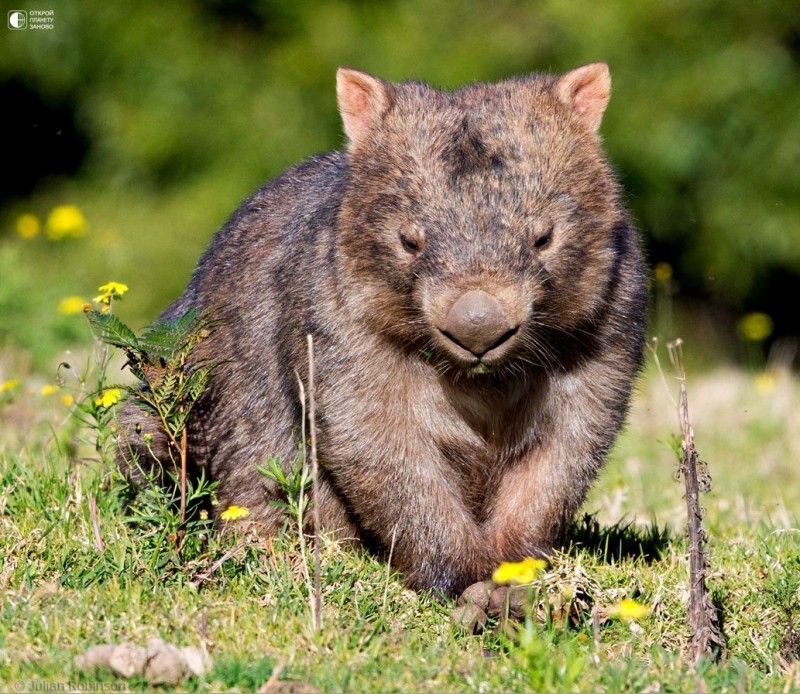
point(60, 594)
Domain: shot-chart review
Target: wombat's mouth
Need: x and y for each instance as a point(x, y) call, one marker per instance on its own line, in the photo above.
point(478, 358)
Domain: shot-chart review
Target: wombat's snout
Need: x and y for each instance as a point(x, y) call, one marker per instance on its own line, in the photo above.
point(478, 323)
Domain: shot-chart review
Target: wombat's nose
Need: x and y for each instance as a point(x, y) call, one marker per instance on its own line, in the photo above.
point(478, 323)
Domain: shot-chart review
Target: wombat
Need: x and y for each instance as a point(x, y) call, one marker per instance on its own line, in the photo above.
point(476, 294)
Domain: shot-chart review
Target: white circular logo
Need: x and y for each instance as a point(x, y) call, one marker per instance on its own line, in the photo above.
point(17, 19)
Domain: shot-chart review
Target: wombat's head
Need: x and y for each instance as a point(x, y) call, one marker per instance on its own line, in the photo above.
point(479, 226)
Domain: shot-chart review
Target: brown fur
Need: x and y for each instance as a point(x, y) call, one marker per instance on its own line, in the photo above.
point(465, 464)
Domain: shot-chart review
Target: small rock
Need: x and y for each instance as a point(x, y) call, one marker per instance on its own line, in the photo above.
point(128, 659)
point(165, 664)
point(96, 656)
point(159, 663)
point(470, 618)
point(198, 662)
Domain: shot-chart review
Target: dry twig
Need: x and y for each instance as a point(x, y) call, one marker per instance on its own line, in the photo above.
point(706, 637)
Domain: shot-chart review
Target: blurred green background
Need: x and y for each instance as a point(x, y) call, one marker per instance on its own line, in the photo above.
point(132, 130)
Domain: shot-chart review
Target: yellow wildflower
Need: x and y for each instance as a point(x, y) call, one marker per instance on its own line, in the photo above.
point(109, 291)
point(524, 571)
point(663, 272)
point(233, 513)
point(7, 386)
point(628, 610)
point(65, 221)
point(116, 288)
point(755, 327)
point(109, 398)
point(49, 389)
point(67, 400)
point(71, 305)
point(28, 226)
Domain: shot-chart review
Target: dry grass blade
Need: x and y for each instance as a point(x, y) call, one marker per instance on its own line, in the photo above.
point(315, 486)
point(301, 503)
point(98, 537)
point(706, 636)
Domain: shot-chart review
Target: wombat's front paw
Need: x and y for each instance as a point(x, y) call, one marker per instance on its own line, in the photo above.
point(470, 615)
point(487, 599)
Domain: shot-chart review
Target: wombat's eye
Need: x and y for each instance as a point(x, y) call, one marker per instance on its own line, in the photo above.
point(412, 245)
point(543, 240)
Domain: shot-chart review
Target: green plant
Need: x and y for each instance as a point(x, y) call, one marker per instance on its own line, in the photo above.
point(783, 587)
point(159, 514)
point(170, 379)
point(293, 482)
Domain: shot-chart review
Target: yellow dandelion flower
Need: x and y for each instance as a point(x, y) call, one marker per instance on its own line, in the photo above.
point(65, 221)
point(663, 272)
point(109, 291)
point(519, 572)
point(115, 288)
point(49, 389)
point(233, 513)
point(28, 226)
point(109, 398)
point(8, 386)
point(755, 327)
point(628, 610)
point(71, 305)
point(67, 400)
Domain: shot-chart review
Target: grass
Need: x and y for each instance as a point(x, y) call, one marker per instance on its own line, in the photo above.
point(60, 594)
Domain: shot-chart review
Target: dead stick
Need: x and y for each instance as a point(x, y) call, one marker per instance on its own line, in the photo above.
point(271, 685)
point(706, 636)
point(202, 578)
point(315, 483)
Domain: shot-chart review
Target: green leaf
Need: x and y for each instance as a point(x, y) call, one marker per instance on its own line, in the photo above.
point(112, 330)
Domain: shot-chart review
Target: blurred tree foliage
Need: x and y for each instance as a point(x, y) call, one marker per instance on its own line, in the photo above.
point(157, 118)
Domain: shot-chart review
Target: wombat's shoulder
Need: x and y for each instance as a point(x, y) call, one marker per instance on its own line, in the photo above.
point(294, 194)
point(279, 219)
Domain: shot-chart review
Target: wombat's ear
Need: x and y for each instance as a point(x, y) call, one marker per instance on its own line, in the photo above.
point(363, 99)
point(586, 91)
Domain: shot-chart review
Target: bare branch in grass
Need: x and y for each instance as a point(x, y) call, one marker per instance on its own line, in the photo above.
point(706, 636)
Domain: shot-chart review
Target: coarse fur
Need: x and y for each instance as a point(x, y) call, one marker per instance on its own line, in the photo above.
point(461, 459)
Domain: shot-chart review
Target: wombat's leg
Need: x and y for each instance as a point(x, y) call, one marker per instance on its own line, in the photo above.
point(334, 517)
point(409, 503)
point(537, 497)
point(534, 503)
